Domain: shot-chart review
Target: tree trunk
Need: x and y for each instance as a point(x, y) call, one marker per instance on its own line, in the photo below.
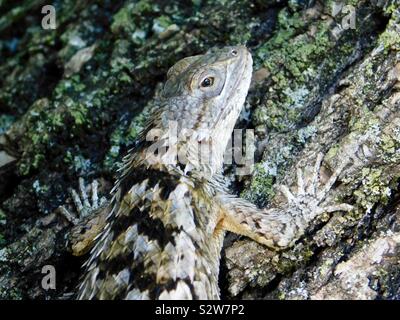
point(327, 79)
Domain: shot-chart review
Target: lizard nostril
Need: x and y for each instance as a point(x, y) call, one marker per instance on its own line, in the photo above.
point(234, 52)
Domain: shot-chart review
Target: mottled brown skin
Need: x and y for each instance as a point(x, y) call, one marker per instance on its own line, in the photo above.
point(167, 220)
point(82, 236)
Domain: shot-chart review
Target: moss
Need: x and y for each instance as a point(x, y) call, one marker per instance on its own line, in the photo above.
point(17, 13)
point(390, 38)
point(68, 87)
point(368, 121)
point(40, 122)
point(293, 56)
point(161, 23)
point(373, 189)
point(93, 117)
point(389, 146)
point(386, 139)
point(261, 186)
point(45, 122)
point(78, 163)
point(304, 134)
point(391, 8)
point(39, 188)
point(79, 112)
point(293, 259)
point(332, 152)
point(122, 20)
point(124, 138)
point(131, 21)
point(81, 164)
point(387, 282)
point(117, 139)
point(5, 122)
point(274, 166)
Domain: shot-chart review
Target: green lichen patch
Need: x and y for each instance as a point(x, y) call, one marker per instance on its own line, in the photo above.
point(303, 58)
point(390, 38)
point(84, 123)
point(295, 56)
point(261, 185)
point(5, 122)
point(373, 189)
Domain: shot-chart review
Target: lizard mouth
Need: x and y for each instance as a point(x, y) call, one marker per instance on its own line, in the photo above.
point(241, 68)
point(244, 67)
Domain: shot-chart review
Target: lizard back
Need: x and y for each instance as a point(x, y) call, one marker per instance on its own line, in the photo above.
point(162, 239)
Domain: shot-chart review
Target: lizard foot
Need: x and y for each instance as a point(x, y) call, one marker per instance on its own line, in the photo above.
point(83, 206)
point(310, 195)
point(89, 220)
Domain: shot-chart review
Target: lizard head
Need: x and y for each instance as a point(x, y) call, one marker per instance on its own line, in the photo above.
point(212, 85)
point(204, 95)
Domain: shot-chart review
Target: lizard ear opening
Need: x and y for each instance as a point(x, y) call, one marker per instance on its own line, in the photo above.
point(181, 66)
point(172, 85)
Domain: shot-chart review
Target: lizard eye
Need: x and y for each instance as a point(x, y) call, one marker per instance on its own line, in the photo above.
point(207, 82)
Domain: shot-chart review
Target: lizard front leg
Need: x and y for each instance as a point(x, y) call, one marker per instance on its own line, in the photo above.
point(90, 219)
point(280, 227)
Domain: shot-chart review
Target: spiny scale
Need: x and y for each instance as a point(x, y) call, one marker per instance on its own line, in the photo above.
point(162, 239)
point(165, 230)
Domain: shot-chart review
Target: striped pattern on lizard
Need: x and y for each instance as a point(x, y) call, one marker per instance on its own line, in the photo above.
point(167, 219)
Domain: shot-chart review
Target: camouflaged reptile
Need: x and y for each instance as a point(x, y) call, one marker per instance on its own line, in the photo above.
point(166, 221)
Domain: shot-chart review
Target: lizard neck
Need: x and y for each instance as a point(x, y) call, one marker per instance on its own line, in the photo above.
point(177, 139)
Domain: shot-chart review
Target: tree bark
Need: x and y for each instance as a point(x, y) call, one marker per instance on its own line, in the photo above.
point(326, 79)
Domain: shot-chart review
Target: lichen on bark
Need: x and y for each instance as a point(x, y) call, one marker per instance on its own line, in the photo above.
point(73, 100)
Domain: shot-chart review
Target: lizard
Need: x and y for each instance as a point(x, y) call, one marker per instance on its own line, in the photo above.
point(163, 233)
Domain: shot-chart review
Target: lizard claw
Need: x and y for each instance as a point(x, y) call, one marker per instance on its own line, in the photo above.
point(339, 207)
point(83, 205)
point(89, 217)
point(308, 198)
